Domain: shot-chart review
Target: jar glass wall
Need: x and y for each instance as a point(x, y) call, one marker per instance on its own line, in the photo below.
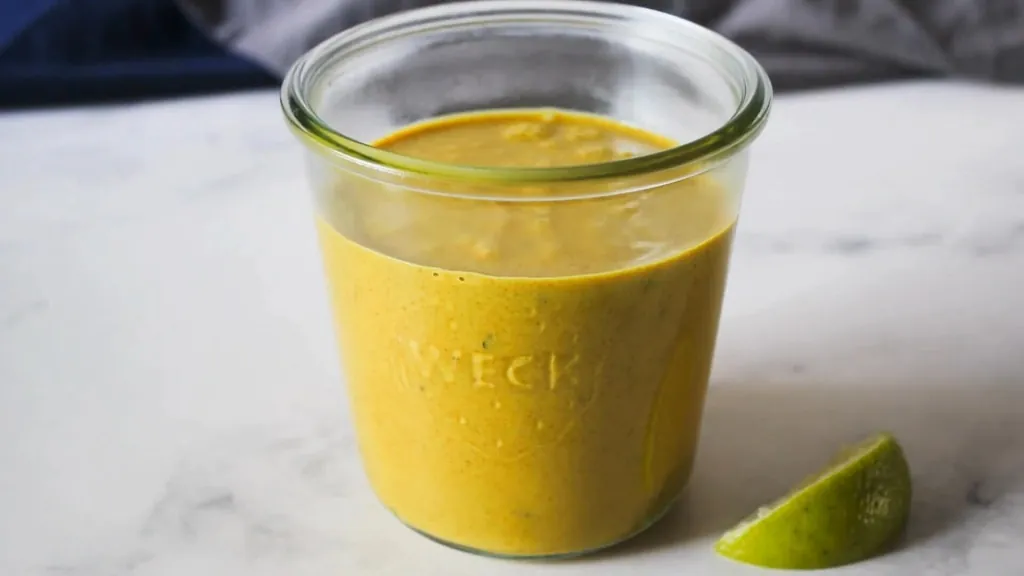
point(527, 347)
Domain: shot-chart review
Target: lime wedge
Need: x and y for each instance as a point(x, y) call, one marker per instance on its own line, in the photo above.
point(853, 510)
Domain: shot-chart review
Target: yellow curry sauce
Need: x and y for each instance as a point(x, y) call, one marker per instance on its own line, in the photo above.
point(529, 380)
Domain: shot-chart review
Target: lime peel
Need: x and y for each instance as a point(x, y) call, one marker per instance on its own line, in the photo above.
point(856, 508)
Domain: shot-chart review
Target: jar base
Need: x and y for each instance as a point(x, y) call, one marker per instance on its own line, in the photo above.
point(559, 556)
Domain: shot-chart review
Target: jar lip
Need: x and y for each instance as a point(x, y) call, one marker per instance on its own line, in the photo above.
point(739, 130)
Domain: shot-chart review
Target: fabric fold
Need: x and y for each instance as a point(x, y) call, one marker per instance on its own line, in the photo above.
point(802, 43)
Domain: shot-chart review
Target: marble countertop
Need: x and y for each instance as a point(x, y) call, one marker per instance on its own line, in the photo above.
point(170, 400)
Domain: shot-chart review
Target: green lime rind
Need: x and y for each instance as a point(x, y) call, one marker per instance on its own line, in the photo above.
point(855, 509)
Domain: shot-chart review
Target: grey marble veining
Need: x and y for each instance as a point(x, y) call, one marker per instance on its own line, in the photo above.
point(169, 396)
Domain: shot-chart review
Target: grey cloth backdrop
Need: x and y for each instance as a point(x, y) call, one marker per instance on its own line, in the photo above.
point(802, 43)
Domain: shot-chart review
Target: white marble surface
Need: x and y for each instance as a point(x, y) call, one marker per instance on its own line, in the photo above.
point(169, 397)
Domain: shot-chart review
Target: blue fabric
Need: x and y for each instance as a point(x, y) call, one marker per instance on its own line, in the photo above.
point(71, 51)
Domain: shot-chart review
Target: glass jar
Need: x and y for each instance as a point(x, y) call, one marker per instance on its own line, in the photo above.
point(527, 349)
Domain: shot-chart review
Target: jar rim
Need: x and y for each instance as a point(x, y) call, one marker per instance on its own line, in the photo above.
point(746, 122)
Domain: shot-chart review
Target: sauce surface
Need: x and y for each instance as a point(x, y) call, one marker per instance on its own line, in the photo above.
point(527, 378)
